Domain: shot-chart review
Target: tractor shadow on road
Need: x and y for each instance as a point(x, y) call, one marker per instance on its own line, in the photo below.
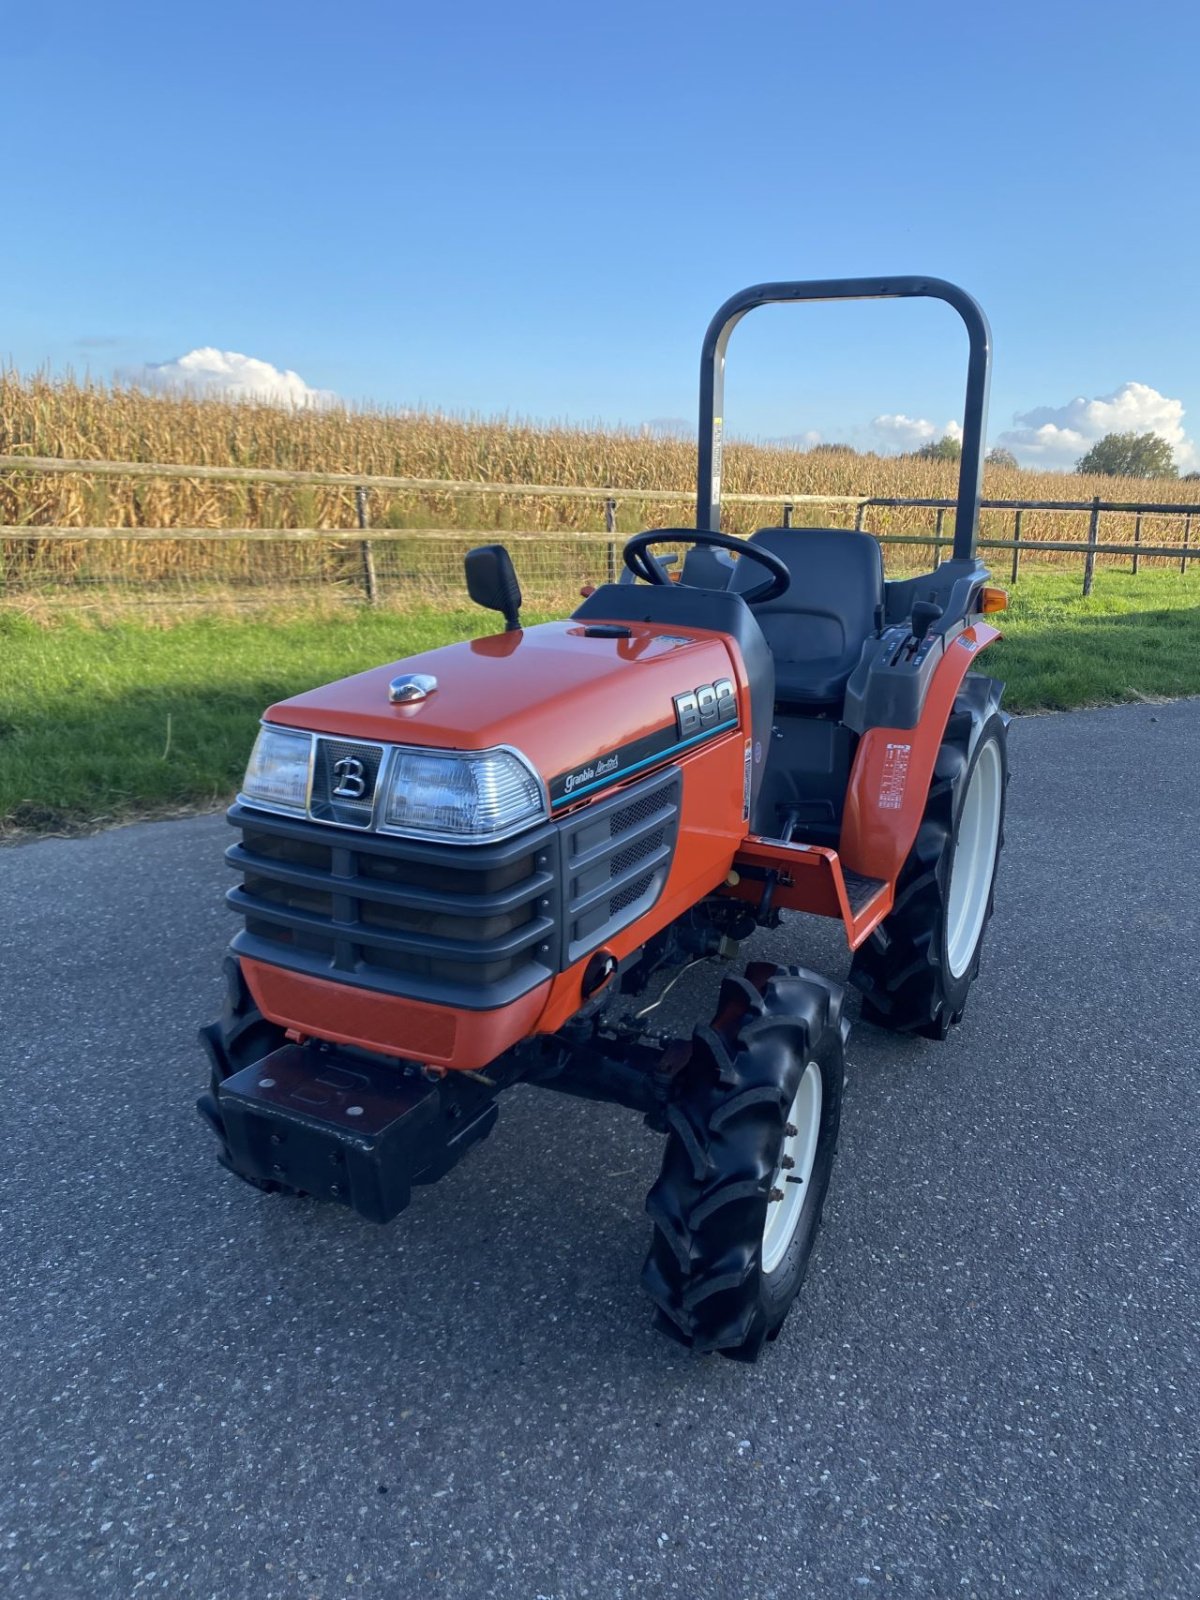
point(534, 1245)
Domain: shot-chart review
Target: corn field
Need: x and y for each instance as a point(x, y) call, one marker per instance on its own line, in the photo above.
point(549, 535)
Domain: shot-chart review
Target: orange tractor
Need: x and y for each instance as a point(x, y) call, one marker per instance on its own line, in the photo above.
point(466, 869)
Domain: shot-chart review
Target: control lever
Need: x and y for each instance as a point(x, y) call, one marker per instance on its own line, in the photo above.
point(924, 614)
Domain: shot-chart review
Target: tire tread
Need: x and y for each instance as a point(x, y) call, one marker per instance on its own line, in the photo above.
point(704, 1269)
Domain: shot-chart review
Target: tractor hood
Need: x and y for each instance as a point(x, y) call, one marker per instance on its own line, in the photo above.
point(586, 703)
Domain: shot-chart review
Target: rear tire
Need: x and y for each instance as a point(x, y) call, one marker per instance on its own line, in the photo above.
point(738, 1201)
point(240, 1036)
point(915, 970)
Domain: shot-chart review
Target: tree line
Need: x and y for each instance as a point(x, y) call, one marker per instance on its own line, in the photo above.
point(1117, 455)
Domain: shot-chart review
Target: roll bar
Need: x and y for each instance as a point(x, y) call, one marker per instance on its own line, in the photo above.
point(712, 382)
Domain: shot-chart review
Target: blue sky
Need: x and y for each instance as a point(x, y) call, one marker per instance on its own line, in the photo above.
point(534, 208)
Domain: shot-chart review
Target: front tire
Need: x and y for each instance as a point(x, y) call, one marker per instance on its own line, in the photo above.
point(750, 1147)
point(917, 967)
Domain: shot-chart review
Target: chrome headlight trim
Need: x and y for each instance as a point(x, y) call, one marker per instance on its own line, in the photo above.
point(391, 755)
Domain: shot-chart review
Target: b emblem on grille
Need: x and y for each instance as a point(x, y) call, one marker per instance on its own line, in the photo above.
point(350, 778)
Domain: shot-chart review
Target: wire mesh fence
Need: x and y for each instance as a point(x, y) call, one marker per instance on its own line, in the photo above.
point(109, 535)
point(407, 572)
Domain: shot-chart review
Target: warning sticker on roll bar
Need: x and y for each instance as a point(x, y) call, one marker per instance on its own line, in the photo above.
point(895, 775)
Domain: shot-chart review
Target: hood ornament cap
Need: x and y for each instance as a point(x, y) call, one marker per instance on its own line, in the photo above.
point(410, 687)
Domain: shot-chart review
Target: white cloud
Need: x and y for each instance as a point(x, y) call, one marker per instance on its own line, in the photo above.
point(1056, 436)
point(895, 431)
point(227, 374)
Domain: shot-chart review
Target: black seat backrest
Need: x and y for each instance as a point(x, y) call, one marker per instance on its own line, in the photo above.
point(817, 629)
point(706, 568)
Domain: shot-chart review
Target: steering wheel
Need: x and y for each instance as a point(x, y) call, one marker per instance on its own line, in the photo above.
point(644, 564)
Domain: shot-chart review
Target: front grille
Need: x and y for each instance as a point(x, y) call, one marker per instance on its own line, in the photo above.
point(637, 811)
point(471, 925)
point(630, 894)
point(632, 854)
point(616, 857)
point(474, 926)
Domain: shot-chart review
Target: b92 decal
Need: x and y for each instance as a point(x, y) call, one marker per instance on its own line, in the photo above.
point(708, 706)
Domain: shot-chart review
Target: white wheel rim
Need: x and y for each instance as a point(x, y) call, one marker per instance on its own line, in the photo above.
point(793, 1175)
point(974, 863)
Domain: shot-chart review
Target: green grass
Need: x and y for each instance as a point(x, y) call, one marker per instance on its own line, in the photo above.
point(1134, 638)
point(100, 723)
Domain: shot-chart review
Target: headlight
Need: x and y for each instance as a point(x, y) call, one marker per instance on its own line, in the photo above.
point(460, 796)
point(278, 770)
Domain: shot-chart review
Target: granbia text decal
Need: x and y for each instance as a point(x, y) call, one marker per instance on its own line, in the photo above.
point(598, 769)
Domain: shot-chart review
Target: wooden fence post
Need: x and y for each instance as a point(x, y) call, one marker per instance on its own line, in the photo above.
point(1187, 539)
point(370, 588)
point(1137, 542)
point(1089, 563)
point(610, 527)
point(787, 513)
point(858, 516)
point(1016, 543)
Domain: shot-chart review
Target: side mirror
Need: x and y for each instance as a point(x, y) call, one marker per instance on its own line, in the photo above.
point(492, 583)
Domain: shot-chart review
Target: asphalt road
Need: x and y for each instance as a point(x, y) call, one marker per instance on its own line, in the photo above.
point(988, 1386)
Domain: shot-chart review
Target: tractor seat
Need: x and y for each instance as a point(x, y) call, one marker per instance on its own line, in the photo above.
point(816, 630)
point(705, 568)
